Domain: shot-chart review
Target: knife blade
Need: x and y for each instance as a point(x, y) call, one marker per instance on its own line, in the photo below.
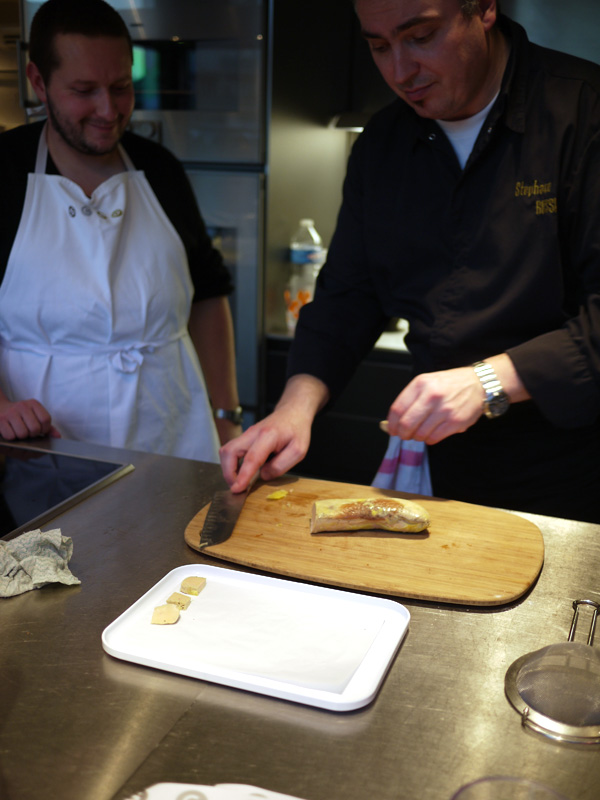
point(222, 515)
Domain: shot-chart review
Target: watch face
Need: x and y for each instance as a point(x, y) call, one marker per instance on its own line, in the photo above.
point(497, 404)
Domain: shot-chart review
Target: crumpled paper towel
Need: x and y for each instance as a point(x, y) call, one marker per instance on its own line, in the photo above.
point(34, 559)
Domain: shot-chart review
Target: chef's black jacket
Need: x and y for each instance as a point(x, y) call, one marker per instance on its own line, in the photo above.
point(503, 256)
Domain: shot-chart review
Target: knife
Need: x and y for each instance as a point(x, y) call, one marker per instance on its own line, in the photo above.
point(222, 515)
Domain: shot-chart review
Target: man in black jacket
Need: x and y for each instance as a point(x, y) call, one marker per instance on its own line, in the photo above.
point(470, 209)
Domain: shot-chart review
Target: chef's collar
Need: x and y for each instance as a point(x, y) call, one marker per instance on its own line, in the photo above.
point(513, 91)
point(510, 101)
point(52, 169)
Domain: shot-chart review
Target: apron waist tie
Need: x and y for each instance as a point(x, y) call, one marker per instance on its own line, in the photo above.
point(126, 359)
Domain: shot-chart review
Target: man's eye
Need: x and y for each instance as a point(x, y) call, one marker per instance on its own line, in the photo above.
point(378, 47)
point(423, 39)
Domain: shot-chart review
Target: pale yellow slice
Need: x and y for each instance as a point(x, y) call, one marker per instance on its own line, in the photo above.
point(193, 585)
point(165, 615)
point(182, 601)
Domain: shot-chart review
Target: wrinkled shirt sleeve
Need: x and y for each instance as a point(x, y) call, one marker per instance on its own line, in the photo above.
point(561, 368)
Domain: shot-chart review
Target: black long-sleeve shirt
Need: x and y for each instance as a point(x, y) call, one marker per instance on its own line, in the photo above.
point(503, 256)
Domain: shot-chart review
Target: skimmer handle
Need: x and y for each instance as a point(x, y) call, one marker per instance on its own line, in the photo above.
point(576, 604)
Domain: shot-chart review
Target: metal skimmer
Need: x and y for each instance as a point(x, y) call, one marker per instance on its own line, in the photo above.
point(557, 689)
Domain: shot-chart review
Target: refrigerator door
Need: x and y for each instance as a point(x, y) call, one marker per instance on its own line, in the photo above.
point(231, 205)
point(199, 75)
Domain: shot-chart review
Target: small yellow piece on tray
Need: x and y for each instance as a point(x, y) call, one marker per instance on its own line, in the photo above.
point(165, 615)
point(377, 513)
point(193, 585)
point(182, 601)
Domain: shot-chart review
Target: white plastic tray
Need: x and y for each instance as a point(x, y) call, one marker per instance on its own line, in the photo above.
point(222, 791)
point(309, 644)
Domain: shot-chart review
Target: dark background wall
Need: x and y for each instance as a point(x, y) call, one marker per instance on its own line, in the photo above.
point(570, 26)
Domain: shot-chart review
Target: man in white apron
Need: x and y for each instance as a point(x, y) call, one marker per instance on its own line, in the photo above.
point(102, 328)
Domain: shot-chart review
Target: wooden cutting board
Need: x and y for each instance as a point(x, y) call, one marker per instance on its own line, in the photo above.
point(470, 554)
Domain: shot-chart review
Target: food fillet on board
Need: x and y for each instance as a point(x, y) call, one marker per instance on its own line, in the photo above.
point(382, 513)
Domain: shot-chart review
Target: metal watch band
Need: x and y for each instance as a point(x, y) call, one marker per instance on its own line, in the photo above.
point(232, 414)
point(496, 400)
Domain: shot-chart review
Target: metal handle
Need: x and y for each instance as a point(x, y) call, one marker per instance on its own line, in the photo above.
point(576, 604)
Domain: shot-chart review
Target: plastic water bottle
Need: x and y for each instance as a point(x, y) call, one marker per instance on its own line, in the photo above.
point(306, 259)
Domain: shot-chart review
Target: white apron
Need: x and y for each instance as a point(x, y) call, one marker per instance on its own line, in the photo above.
point(94, 308)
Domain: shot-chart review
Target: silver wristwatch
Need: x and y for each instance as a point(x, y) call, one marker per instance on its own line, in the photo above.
point(233, 415)
point(495, 401)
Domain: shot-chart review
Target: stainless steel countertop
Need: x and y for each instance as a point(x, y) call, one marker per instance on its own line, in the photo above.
point(76, 724)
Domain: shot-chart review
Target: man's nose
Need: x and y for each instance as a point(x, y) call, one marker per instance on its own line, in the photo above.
point(106, 106)
point(405, 67)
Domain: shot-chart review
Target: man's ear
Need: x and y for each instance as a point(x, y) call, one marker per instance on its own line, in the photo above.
point(36, 80)
point(489, 13)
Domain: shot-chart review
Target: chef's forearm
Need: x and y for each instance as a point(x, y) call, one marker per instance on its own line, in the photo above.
point(303, 394)
point(211, 329)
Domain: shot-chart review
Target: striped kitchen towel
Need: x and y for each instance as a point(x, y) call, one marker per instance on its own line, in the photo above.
point(404, 468)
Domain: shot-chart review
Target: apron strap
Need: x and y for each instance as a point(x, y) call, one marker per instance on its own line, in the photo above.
point(126, 160)
point(42, 155)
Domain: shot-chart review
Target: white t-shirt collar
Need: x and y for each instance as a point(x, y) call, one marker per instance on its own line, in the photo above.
point(462, 133)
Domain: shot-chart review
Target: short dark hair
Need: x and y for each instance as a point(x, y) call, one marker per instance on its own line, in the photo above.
point(471, 7)
point(468, 7)
point(86, 17)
